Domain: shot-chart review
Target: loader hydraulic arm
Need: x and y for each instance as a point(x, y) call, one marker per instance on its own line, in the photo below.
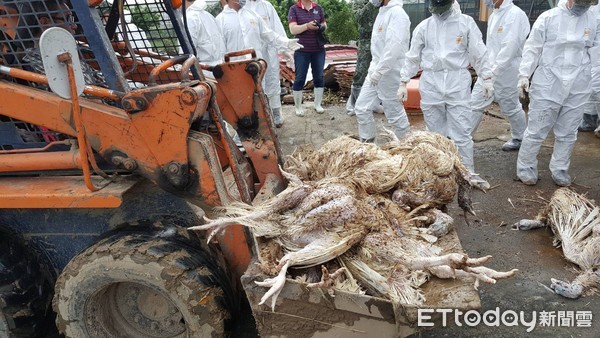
point(149, 138)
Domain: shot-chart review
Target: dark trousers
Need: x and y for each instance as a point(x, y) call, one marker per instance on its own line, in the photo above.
point(316, 60)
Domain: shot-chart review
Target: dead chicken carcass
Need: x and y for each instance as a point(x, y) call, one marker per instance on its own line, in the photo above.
point(321, 226)
point(575, 222)
point(340, 197)
point(394, 265)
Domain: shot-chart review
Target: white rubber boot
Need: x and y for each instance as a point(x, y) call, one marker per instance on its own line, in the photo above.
point(298, 102)
point(318, 100)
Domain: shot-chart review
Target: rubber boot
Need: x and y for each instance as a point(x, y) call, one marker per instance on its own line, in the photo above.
point(588, 123)
point(378, 109)
point(277, 119)
point(298, 102)
point(512, 145)
point(354, 92)
point(318, 100)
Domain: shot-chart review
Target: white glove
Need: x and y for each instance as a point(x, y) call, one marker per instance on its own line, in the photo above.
point(373, 78)
point(294, 45)
point(488, 88)
point(289, 58)
point(402, 92)
point(523, 86)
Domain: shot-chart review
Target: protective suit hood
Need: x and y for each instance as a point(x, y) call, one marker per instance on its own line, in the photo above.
point(562, 4)
point(505, 4)
point(454, 11)
point(394, 3)
point(198, 5)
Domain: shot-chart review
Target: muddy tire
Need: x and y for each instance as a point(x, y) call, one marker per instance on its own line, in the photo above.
point(24, 292)
point(143, 285)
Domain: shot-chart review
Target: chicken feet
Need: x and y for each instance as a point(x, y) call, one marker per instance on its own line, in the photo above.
point(480, 273)
point(327, 279)
point(453, 260)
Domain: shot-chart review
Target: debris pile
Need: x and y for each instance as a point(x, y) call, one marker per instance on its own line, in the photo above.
point(340, 63)
point(371, 213)
point(575, 221)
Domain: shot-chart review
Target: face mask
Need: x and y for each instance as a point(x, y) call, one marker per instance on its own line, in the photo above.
point(579, 10)
point(376, 3)
point(490, 4)
point(444, 15)
point(242, 3)
point(440, 9)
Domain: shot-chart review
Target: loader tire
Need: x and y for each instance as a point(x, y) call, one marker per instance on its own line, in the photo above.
point(25, 292)
point(143, 285)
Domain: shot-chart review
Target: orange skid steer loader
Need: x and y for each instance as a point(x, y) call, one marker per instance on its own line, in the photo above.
point(93, 189)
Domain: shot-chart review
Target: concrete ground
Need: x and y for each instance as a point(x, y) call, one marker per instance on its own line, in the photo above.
point(489, 233)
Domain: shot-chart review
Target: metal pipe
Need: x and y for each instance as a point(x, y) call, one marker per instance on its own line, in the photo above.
point(81, 138)
point(35, 150)
point(39, 78)
point(55, 160)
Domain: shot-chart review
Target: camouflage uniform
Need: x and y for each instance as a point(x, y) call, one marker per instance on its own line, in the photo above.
point(365, 14)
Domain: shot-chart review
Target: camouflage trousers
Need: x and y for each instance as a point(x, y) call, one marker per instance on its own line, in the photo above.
point(362, 62)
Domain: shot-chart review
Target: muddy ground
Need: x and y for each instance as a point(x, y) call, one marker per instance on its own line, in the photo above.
point(489, 233)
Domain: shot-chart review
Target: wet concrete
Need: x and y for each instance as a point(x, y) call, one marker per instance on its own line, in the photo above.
point(489, 232)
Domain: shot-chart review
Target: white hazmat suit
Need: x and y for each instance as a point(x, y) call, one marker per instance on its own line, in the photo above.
point(267, 12)
point(593, 107)
point(244, 29)
point(206, 36)
point(508, 27)
point(389, 43)
point(443, 49)
point(557, 53)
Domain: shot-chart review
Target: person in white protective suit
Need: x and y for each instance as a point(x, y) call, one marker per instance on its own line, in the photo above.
point(557, 53)
point(244, 29)
point(389, 44)
point(443, 46)
point(267, 12)
point(591, 121)
point(206, 35)
point(508, 27)
point(136, 36)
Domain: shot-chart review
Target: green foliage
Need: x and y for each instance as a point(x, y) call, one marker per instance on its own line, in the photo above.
point(162, 38)
point(214, 9)
point(283, 7)
point(143, 17)
point(341, 24)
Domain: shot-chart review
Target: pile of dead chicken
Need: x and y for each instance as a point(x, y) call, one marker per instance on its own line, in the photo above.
point(575, 222)
point(373, 212)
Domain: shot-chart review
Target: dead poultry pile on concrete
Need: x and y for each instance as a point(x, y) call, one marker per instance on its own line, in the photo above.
point(373, 213)
point(575, 222)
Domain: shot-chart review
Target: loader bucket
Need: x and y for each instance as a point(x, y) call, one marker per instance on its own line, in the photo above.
point(312, 312)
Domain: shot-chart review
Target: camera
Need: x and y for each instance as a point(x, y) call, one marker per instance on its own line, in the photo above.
point(318, 24)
